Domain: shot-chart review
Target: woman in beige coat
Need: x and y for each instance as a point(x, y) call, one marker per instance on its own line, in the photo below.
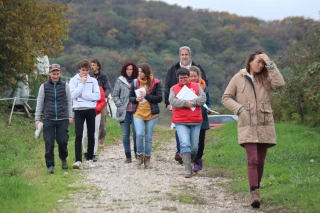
point(249, 96)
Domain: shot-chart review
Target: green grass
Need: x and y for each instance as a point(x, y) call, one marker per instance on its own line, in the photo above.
point(25, 185)
point(162, 134)
point(291, 177)
point(187, 197)
point(113, 131)
point(290, 184)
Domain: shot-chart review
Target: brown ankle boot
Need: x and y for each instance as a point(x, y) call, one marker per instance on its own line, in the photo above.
point(255, 198)
point(139, 160)
point(147, 164)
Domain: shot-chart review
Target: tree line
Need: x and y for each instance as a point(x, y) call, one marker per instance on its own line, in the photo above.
point(116, 31)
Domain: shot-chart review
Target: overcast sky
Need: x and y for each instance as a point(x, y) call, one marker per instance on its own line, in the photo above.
point(263, 9)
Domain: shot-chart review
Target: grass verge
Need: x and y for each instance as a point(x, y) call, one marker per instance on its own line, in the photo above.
point(290, 184)
point(291, 177)
point(25, 185)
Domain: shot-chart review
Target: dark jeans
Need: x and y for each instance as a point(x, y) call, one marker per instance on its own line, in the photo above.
point(55, 130)
point(178, 142)
point(80, 116)
point(256, 156)
point(202, 137)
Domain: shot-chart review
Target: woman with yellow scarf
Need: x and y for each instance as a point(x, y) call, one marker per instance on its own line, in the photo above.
point(145, 95)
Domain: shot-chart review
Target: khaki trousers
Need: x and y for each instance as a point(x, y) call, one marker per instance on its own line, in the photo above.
point(102, 128)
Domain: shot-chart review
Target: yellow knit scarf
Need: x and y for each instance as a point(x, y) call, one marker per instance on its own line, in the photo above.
point(145, 83)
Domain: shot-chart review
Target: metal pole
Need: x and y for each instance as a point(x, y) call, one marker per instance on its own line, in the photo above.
point(14, 102)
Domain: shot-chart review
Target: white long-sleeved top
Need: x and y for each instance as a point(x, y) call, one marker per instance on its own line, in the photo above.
point(89, 91)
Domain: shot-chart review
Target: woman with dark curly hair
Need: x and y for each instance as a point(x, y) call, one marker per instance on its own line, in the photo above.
point(120, 96)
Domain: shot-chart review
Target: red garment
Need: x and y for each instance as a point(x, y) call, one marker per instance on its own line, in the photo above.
point(256, 157)
point(101, 103)
point(154, 82)
point(186, 115)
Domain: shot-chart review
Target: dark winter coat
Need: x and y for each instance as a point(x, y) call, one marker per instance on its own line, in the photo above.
point(103, 82)
point(154, 97)
point(205, 124)
point(55, 99)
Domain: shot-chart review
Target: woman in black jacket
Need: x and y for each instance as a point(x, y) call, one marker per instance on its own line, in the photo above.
point(145, 95)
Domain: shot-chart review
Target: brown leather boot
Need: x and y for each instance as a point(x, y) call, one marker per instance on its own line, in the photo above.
point(178, 158)
point(147, 164)
point(255, 198)
point(139, 160)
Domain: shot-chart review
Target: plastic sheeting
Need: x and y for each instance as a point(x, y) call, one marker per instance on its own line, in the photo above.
point(22, 91)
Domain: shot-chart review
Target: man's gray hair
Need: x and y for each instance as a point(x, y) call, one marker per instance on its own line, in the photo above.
point(185, 48)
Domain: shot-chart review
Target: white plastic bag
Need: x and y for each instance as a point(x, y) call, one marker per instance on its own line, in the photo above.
point(38, 131)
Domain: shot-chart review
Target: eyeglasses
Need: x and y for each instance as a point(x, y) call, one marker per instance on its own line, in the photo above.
point(183, 78)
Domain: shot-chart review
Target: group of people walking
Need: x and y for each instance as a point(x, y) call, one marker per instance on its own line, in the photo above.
point(137, 94)
point(84, 98)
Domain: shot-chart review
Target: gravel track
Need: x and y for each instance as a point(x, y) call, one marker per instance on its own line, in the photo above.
point(114, 186)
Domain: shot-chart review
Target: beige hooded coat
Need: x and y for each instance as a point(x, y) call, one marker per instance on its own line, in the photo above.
point(255, 123)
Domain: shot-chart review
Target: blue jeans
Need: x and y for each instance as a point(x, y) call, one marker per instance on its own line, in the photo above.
point(188, 137)
point(125, 126)
point(144, 130)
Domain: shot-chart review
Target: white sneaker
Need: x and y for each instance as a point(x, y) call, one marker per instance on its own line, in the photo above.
point(91, 164)
point(76, 165)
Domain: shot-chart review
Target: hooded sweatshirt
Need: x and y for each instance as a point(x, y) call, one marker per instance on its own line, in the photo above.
point(89, 92)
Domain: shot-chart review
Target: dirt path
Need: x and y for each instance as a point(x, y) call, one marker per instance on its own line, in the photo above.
point(118, 187)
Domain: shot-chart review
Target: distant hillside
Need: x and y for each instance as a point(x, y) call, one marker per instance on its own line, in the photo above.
point(115, 31)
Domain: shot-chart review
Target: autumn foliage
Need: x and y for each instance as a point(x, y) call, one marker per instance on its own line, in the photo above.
point(152, 31)
point(29, 29)
point(299, 101)
point(115, 31)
